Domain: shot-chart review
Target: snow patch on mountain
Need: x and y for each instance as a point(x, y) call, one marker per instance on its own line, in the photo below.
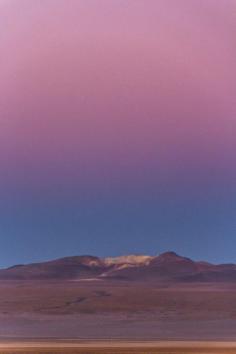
point(128, 260)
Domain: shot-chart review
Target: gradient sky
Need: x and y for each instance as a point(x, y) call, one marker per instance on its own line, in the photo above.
point(117, 128)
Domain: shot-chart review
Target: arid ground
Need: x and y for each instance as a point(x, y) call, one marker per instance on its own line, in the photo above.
point(119, 310)
point(117, 347)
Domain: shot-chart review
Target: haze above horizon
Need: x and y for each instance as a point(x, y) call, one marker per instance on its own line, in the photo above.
point(117, 128)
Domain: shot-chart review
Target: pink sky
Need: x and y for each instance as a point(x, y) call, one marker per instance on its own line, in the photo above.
point(117, 128)
point(115, 88)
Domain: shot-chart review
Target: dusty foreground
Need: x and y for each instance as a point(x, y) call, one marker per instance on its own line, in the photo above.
point(118, 310)
point(117, 347)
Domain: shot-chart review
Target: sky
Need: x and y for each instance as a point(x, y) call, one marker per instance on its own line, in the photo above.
point(117, 128)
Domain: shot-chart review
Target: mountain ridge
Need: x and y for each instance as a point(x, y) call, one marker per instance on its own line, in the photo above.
point(168, 266)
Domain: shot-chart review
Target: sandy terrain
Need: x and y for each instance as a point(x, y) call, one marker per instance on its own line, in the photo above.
point(119, 311)
point(117, 347)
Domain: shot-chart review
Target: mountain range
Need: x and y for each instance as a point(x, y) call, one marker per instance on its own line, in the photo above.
point(165, 267)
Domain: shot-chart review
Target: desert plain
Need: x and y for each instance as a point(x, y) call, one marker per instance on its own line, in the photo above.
point(117, 317)
point(116, 347)
point(164, 304)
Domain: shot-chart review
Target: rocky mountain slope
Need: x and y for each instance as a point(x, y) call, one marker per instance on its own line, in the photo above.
point(165, 267)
